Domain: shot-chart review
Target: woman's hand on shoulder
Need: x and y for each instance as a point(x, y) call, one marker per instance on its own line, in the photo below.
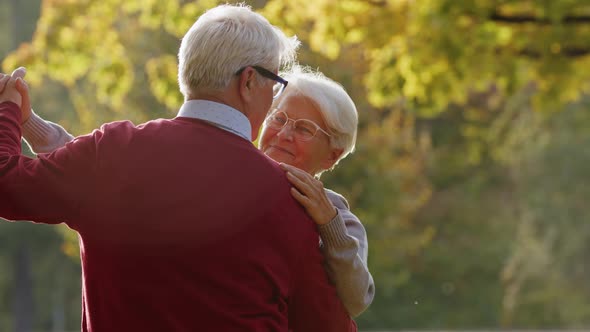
point(310, 193)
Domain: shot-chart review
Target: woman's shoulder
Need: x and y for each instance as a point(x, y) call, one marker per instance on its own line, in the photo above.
point(337, 199)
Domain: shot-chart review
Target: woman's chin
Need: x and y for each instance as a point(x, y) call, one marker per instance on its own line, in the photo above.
point(279, 156)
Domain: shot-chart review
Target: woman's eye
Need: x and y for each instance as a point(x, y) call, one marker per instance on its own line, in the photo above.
point(304, 129)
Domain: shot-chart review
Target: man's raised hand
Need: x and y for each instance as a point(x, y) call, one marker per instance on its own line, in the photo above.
point(9, 90)
point(23, 89)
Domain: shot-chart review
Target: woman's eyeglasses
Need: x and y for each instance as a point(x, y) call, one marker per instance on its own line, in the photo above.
point(303, 129)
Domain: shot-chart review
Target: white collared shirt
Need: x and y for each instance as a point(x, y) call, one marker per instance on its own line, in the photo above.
point(219, 115)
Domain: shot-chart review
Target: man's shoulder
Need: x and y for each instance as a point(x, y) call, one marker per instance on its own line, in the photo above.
point(114, 126)
point(128, 124)
point(127, 128)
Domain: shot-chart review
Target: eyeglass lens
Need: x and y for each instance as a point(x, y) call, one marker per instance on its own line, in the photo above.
point(303, 129)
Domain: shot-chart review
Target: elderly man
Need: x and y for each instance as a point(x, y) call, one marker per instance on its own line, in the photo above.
point(184, 225)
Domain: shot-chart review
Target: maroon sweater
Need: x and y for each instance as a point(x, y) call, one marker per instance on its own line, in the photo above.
point(183, 227)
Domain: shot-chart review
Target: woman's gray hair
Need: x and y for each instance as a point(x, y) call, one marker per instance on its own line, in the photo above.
point(224, 40)
point(335, 105)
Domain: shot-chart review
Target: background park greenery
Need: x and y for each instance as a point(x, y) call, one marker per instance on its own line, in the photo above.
point(471, 164)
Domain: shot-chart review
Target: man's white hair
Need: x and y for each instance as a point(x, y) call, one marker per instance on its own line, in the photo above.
point(224, 40)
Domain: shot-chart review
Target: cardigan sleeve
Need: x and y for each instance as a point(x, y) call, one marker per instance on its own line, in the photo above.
point(344, 244)
point(44, 136)
point(313, 303)
point(47, 189)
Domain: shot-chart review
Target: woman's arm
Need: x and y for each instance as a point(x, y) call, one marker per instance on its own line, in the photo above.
point(345, 246)
point(44, 136)
point(344, 240)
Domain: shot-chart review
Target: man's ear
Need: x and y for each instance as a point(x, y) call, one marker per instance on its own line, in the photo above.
point(246, 83)
point(332, 158)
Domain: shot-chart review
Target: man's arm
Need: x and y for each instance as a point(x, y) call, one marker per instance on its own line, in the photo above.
point(47, 189)
point(314, 304)
point(42, 136)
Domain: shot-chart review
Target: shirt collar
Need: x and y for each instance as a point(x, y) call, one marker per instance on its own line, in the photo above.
point(219, 115)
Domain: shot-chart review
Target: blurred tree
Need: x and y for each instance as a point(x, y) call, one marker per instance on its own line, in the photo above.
point(549, 264)
point(429, 54)
point(451, 95)
point(43, 282)
point(469, 66)
point(27, 280)
point(22, 297)
point(116, 60)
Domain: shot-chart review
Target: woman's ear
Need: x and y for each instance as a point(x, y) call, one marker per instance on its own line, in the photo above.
point(332, 158)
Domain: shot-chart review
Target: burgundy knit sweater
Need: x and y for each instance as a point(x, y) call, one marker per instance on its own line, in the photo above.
point(183, 227)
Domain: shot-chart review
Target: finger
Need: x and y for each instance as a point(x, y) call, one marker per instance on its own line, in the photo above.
point(293, 169)
point(285, 166)
point(11, 84)
point(21, 84)
point(288, 167)
point(298, 175)
point(10, 94)
point(3, 82)
point(301, 174)
point(22, 88)
point(300, 184)
point(19, 72)
point(310, 180)
point(302, 199)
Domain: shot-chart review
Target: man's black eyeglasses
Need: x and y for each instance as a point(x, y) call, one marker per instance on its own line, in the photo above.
point(278, 88)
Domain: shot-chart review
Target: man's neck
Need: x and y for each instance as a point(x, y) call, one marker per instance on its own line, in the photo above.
point(222, 97)
point(228, 96)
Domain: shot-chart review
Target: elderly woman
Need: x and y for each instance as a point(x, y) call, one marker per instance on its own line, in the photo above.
point(310, 128)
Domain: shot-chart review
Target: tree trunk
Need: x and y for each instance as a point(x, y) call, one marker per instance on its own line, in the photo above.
point(23, 294)
point(58, 316)
point(23, 285)
point(15, 19)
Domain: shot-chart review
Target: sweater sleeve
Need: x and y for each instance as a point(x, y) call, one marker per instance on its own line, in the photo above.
point(44, 136)
point(314, 305)
point(47, 189)
point(344, 244)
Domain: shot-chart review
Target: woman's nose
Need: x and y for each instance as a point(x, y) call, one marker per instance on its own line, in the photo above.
point(287, 131)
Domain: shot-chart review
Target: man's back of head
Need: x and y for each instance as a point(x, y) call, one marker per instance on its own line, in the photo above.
point(226, 39)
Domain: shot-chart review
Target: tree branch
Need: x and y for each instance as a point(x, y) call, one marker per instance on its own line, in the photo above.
point(378, 3)
point(570, 52)
point(520, 19)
